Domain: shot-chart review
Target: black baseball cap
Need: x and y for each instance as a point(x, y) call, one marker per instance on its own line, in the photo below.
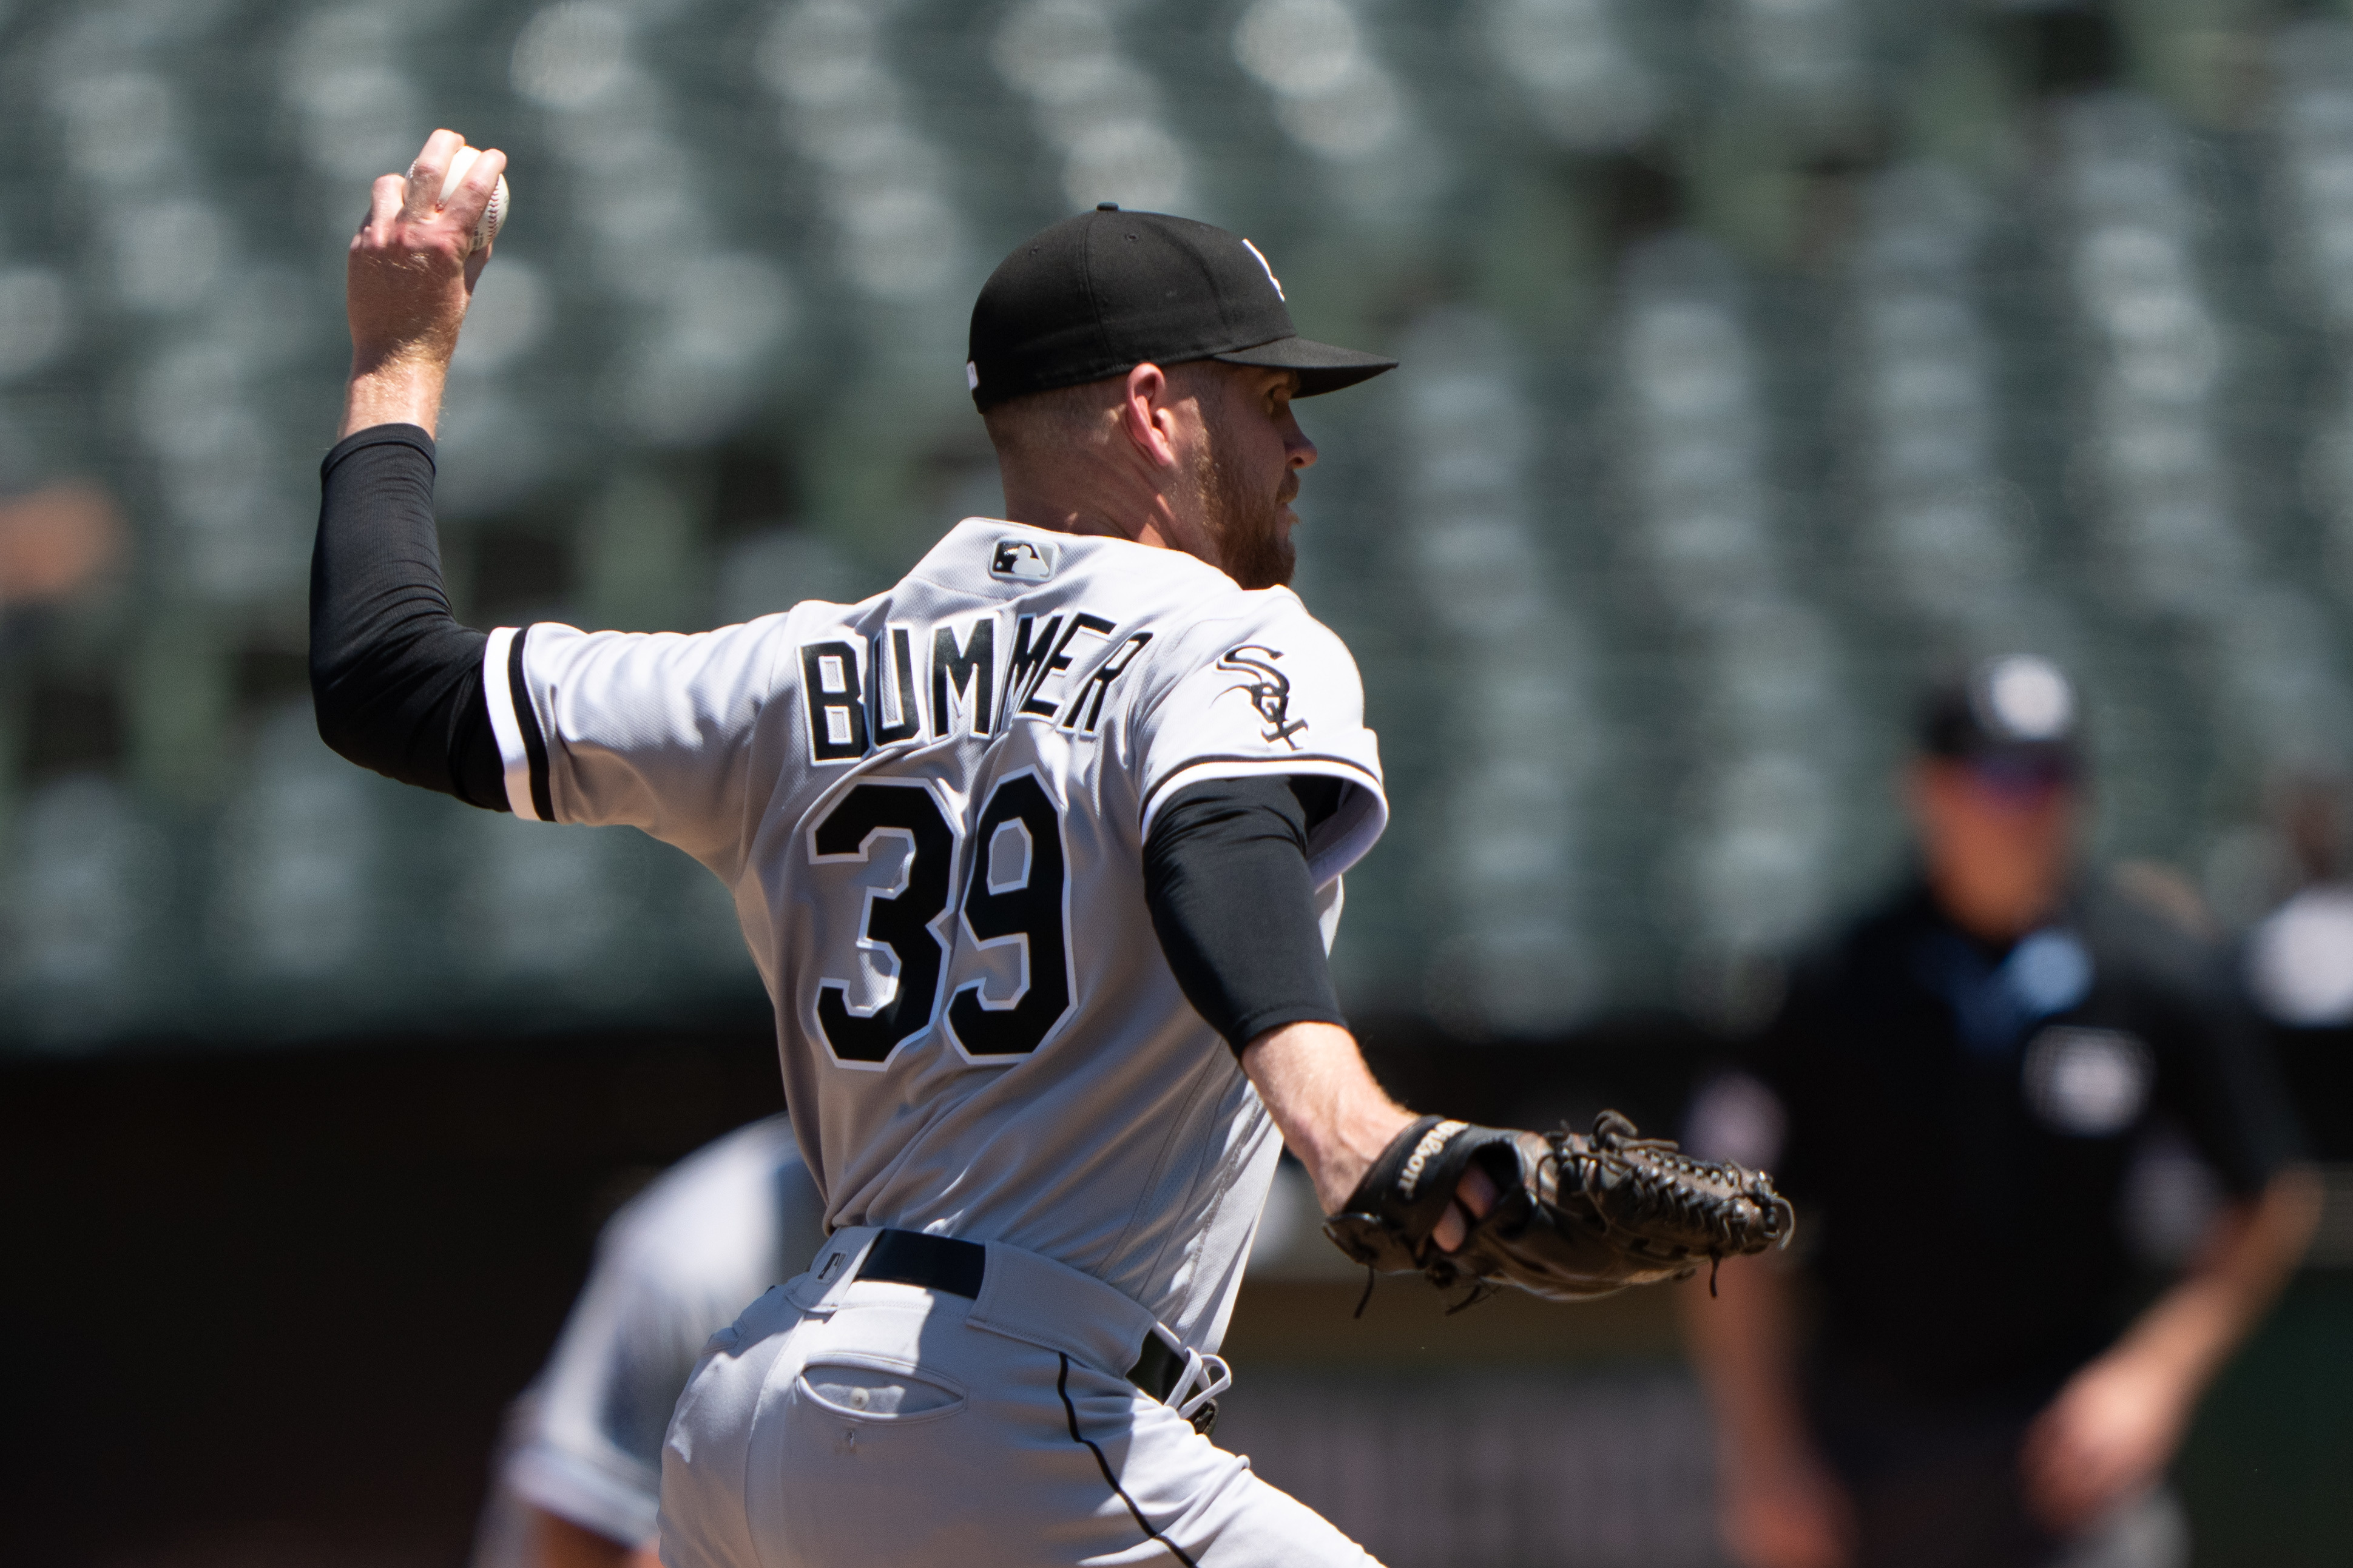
point(2017, 713)
point(1099, 294)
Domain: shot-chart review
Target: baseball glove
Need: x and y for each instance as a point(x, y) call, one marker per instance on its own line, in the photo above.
point(1577, 1216)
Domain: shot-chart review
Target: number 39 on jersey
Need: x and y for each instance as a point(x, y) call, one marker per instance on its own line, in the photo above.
point(1007, 898)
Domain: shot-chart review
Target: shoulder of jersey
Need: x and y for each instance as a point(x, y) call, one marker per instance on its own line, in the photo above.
point(1006, 560)
point(993, 558)
point(1019, 558)
point(1215, 623)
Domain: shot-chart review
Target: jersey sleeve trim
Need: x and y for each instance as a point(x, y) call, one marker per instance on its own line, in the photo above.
point(1336, 844)
point(514, 719)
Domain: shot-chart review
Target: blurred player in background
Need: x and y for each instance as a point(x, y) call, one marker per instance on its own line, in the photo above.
point(2299, 959)
point(2003, 1031)
point(578, 1477)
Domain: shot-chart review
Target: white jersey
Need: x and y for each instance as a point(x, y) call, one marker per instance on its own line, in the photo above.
point(931, 807)
point(677, 1262)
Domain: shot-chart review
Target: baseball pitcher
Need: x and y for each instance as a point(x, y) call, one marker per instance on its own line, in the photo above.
point(1039, 854)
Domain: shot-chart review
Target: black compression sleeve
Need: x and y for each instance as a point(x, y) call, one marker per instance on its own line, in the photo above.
point(1225, 876)
point(395, 681)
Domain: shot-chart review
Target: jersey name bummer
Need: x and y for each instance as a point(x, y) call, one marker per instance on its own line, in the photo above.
point(1059, 668)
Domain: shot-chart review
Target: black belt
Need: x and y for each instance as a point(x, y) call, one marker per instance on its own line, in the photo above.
point(944, 1263)
point(933, 1262)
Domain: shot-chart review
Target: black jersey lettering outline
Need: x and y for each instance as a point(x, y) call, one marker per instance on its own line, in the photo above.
point(1099, 684)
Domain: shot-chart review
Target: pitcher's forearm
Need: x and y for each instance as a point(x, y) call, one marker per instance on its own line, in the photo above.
point(401, 391)
point(1332, 1113)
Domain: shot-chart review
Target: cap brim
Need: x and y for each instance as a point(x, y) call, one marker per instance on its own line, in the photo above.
point(1322, 367)
point(2061, 757)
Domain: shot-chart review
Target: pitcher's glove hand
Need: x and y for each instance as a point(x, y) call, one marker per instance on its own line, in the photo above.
point(1577, 1216)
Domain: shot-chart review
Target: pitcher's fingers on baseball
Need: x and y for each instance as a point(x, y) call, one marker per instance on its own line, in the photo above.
point(426, 172)
point(385, 199)
point(467, 203)
point(472, 193)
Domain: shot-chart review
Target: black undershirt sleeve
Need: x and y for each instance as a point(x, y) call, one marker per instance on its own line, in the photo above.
point(395, 681)
point(1225, 878)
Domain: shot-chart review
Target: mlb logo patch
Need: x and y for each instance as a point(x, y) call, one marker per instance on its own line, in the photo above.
point(1024, 560)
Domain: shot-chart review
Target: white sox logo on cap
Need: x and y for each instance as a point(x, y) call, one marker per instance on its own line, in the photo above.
point(1270, 278)
point(1098, 294)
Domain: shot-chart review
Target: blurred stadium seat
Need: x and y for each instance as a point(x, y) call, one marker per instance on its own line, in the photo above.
point(1759, 357)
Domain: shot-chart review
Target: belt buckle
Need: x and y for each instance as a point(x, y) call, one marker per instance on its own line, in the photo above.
point(1168, 1370)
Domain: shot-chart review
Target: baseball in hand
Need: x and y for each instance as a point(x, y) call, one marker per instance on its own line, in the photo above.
point(493, 216)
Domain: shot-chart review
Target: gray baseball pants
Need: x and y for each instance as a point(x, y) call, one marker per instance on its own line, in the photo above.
point(842, 1423)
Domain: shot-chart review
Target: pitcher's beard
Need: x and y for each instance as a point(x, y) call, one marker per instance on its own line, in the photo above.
point(1252, 548)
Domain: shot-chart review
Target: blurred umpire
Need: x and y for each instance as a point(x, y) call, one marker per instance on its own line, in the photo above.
point(1971, 1385)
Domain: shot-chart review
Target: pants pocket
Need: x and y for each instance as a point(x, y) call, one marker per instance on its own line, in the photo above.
point(878, 1389)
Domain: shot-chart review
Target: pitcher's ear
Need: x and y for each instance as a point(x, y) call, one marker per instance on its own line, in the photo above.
point(1143, 402)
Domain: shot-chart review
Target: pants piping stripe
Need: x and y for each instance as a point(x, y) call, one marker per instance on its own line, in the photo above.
point(1063, 1387)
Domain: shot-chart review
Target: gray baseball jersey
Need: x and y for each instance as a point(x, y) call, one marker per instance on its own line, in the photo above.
point(677, 1261)
point(931, 807)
